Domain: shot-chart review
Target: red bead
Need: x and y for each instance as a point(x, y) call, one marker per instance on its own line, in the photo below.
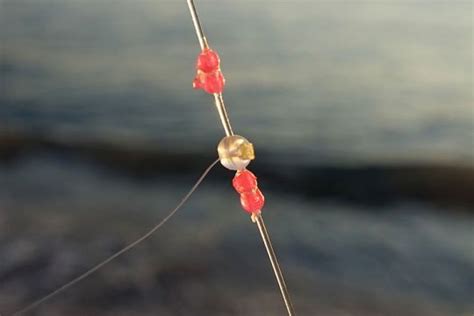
point(252, 201)
point(209, 76)
point(244, 181)
point(208, 61)
point(251, 198)
point(210, 82)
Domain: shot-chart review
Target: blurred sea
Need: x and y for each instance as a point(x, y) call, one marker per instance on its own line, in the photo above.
point(362, 116)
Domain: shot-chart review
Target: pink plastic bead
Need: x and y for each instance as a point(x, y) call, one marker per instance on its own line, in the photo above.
point(252, 201)
point(208, 61)
point(244, 181)
point(210, 82)
point(251, 198)
point(208, 73)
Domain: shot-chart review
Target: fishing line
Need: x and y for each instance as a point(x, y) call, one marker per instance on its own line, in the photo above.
point(235, 151)
point(120, 252)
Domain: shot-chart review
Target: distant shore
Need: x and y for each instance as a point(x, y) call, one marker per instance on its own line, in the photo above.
point(438, 184)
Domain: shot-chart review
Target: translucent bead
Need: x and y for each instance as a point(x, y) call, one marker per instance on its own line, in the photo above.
point(210, 82)
point(244, 181)
point(208, 61)
point(235, 152)
point(251, 198)
point(209, 76)
point(252, 201)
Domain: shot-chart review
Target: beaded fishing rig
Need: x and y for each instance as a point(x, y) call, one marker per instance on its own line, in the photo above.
point(235, 152)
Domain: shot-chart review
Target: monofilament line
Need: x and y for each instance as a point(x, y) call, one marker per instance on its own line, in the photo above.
point(120, 252)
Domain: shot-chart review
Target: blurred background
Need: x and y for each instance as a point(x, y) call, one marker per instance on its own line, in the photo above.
point(361, 113)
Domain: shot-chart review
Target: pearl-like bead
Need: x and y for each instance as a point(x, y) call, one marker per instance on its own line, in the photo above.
point(235, 152)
